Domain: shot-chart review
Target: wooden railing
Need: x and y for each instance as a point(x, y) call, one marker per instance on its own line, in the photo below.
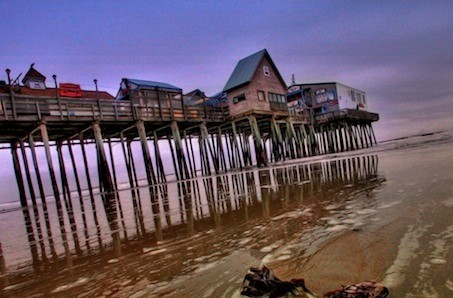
point(34, 108)
point(346, 114)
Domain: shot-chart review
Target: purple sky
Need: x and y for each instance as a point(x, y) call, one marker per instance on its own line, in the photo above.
point(399, 52)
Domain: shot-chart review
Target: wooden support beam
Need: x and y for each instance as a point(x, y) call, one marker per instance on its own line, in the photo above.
point(229, 148)
point(160, 166)
point(242, 148)
point(374, 136)
point(108, 195)
point(314, 141)
point(150, 174)
point(365, 135)
point(341, 137)
point(189, 158)
point(67, 199)
point(205, 138)
point(151, 177)
point(135, 194)
point(56, 192)
point(34, 203)
point(42, 196)
point(235, 144)
point(221, 149)
point(277, 139)
point(306, 141)
point(261, 158)
point(162, 179)
point(179, 150)
point(192, 156)
point(369, 133)
point(334, 138)
point(354, 141)
point(90, 191)
point(117, 194)
point(80, 195)
point(292, 135)
point(249, 149)
point(173, 158)
point(204, 158)
point(25, 211)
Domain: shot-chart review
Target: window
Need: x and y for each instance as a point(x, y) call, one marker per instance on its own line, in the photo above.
point(266, 71)
point(273, 97)
point(238, 98)
point(261, 96)
point(352, 95)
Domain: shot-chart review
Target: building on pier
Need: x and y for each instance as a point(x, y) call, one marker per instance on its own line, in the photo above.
point(219, 99)
point(195, 98)
point(34, 84)
point(150, 93)
point(329, 102)
point(325, 97)
point(256, 87)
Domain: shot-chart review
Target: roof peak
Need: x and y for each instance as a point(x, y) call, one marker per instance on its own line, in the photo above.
point(33, 73)
point(245, 69)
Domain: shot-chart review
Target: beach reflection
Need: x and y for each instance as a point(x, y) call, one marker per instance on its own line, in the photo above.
point(191, 228)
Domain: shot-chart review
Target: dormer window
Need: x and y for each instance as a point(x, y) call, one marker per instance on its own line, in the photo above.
point(33, 79)
point(266, 71)
point(33, 84)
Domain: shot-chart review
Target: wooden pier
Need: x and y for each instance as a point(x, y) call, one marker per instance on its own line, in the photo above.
point(202, 141)
point(82, 154)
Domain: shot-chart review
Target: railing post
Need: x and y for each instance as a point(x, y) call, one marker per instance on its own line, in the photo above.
point(97, 98)
point(11, 94)
point(58, 96)
point(159, 103)
point(182, 106)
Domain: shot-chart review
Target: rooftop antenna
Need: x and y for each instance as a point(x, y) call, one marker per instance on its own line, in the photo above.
point(293, 79)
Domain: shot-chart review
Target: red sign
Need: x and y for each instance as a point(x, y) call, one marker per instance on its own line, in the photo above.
point(70, 90)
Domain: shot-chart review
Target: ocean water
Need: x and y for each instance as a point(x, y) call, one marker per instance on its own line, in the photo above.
point(382, 213)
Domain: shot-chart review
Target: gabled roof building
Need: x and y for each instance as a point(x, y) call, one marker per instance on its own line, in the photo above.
point(150, 93)
point(33, 79)
point(256, 86)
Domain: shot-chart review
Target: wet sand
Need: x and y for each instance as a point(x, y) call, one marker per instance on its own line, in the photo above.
point(390, 224)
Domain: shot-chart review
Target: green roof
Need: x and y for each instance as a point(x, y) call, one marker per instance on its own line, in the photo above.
point(244, 71)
